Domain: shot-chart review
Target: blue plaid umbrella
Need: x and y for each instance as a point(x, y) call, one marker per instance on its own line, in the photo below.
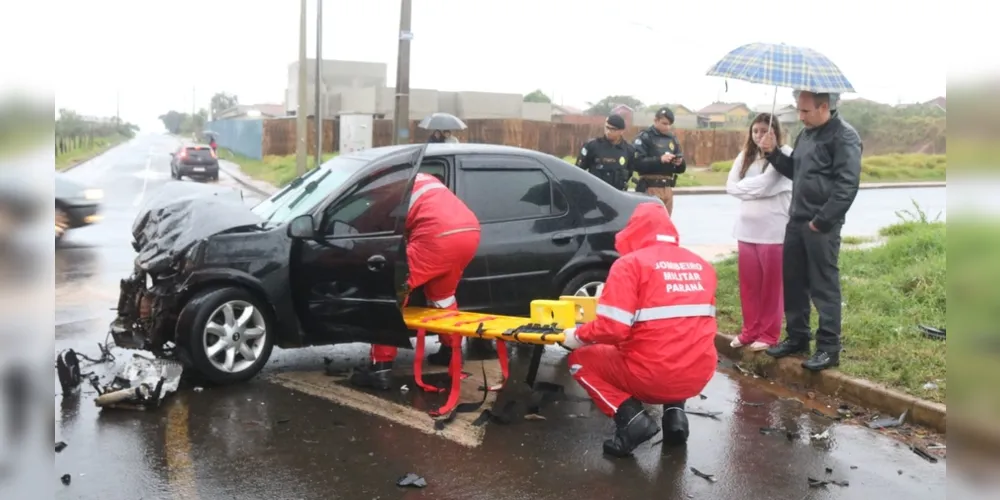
point(798, 68)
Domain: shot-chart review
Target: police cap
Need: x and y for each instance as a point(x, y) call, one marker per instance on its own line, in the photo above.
point(616, 122)
point(665, 112)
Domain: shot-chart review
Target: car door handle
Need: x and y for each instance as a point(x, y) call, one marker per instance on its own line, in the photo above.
point(562, 237)
point(376, 263)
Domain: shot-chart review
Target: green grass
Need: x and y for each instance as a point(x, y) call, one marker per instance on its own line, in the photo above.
point(276, 170)
point(886, 168)
point(887, 291)
point(84, 153)
point(855, 240)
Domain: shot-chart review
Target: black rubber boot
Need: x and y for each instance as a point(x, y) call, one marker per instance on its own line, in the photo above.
point(788, 347)
point(376, 375)
point(675, 424)
point(633, 426)
point(442, 357)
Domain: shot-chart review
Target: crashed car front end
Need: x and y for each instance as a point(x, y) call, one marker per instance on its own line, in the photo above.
point(170, 237)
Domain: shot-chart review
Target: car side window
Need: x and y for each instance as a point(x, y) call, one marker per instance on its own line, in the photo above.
point(497, 193)
point(370, 207)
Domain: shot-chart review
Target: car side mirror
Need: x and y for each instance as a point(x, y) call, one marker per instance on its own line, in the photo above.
point(302, 226)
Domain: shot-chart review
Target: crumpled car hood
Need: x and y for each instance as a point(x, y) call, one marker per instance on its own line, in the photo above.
point(169, 223)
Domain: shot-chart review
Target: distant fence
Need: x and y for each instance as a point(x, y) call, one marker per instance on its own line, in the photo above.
point(245, 137)
point(701, 147)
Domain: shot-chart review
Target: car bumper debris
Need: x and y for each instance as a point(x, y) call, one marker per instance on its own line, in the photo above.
point(141, 385)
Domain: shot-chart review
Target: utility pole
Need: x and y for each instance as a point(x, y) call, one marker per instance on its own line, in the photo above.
point(300, 115)
point(401, 114)
point(319, 61)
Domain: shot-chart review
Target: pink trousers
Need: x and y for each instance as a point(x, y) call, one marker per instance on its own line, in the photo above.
point(761, 295)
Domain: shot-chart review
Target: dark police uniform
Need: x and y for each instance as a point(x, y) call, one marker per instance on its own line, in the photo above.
point(655, 177)
point(606, 160)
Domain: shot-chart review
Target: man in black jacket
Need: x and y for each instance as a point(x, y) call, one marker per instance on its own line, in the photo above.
point(658, 159)
point(825, 168)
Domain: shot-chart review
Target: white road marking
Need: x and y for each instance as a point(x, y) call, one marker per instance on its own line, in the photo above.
point(461, 430)
point(145, 179)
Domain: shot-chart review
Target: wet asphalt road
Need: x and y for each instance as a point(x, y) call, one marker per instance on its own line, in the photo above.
point(264, 440)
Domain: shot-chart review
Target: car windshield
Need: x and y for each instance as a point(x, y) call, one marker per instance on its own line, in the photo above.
point(304, 192)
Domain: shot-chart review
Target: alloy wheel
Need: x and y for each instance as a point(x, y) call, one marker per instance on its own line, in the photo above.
point(234, 336)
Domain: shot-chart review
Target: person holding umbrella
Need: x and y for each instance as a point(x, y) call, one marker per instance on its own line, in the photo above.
point(825, 168)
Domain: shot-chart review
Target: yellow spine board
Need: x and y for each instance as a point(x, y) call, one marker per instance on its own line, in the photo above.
point(558, 314)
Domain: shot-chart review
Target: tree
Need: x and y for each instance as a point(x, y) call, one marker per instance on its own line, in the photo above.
point(183, 123)
point(537, 96)
point(604, 106)
point(222, 101)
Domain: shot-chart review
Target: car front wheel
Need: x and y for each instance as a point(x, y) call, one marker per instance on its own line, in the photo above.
point(231, 335)
point(589, 283)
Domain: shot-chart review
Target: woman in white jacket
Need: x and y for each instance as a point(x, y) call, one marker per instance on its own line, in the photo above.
point(765, 196)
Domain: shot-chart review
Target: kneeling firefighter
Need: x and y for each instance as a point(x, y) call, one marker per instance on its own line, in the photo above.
point(442, 236)
point(653, 341)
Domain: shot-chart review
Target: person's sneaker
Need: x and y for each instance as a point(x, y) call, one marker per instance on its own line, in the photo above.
point(759, 346)
point(821, 361)
point(375, 375)
point(736, 344)
point(788, 347)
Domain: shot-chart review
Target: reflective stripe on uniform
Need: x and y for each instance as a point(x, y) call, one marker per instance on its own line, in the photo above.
point(654, 313)
point(444, 303)
point(460, 230)
point(418, 193)
point(666, 238)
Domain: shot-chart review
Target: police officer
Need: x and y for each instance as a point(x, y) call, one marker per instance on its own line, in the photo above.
point(609, 157)
point(658, 159)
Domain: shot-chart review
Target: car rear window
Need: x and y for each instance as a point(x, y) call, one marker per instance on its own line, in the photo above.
point(199, 153)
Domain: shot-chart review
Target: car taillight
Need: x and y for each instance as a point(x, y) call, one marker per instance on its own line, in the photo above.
point(184, 153)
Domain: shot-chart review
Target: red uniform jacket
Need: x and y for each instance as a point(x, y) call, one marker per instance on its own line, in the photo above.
point(658, 307)
point(435, 210)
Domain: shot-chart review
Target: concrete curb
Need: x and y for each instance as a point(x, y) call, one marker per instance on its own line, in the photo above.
point(866, 185)
point(245, 180)
point(833, 383)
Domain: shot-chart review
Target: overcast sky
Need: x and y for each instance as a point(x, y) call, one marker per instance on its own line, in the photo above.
point(156, 52)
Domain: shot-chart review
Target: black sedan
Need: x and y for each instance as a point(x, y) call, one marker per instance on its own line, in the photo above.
point(322, 261)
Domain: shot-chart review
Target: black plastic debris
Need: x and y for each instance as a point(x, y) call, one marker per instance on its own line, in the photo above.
point(709, 477)
point(284, 420)
point(412, 480)
point(932, 333)
point(884, 423)
point(68, 370)
point(816, 483)
point(65, 479)
point(922, 453)
point(829, 470)
point(703, 413)
point(702, 396)
point(60, 446)
point(854, 467)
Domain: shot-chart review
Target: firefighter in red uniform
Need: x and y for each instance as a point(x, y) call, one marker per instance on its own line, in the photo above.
point(442, 238)
point(653, 341)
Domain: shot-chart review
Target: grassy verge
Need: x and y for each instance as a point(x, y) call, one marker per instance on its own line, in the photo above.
point(84, 153)
point(887, 291)
point(276, 170)
point(883, 168)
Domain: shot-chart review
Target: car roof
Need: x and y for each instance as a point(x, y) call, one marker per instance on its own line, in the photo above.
point(443, 149)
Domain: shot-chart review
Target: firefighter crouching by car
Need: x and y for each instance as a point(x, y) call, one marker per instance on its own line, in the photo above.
point(442, 237)
point(609, 157)
point(658, 159)
point(653, 341)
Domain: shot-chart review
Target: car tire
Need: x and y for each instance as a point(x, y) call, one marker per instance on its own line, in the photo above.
point(208, 324)
point(590, 281)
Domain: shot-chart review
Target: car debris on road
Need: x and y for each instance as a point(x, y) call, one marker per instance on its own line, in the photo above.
point(141, 384)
